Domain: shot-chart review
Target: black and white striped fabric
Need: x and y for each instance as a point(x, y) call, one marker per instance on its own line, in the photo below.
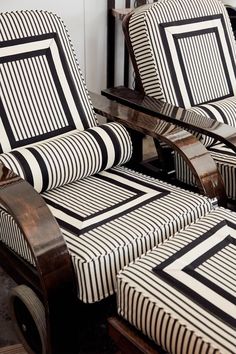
point(42, 92)
point(12, 237)
point(63, 160)
point(185, 51)
point(225, 160)
point(110, 219)
point(182, 293)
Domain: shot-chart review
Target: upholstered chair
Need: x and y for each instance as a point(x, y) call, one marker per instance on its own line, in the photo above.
point(71, 216)
point(184, 55)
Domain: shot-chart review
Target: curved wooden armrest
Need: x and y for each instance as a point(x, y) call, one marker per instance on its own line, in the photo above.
point(176, 115)
point(195, 154)
point(43, 236)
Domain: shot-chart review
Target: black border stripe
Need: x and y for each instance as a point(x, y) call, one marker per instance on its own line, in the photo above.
point(78, 231)
point(168, 55)
point(24, 165)
point(115, 141)
point(162, 28)
point(42, 166)
point(190, 268)
point(225, 120)
point(102, 147)
point(59, 89)
point(71, 84)
point(197, 298)
point(40, 37)
point(185, 76)
point(159, 270)
point(141, 182)
point(36, 53)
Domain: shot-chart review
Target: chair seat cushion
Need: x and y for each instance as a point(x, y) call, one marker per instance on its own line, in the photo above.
point(225, 160)
point(62, 160)
point(112, 218)
point(182, 293)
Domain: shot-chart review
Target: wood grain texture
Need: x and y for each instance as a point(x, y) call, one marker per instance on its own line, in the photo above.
point(194, 153)
point(13, 349)
point(129, 340)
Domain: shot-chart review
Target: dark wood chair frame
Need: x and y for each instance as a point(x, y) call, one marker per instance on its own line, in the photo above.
point(53, 278)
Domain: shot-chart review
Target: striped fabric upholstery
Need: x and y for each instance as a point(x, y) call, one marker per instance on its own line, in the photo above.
point(113, 217)
point(225, 160)
point(185, 52)
point(182, 293)
point(223, 111)
point(63, 160)
point(41, 81)
point(12, 237)
point(168, 36)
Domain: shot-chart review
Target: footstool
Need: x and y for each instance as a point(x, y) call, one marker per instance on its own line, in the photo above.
point(181, 295)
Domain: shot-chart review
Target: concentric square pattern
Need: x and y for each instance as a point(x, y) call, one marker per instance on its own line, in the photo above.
point(200, 59)
point(200, 271)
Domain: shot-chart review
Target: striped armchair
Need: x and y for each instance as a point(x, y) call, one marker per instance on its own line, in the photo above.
point(70, 215)
point(184, 54)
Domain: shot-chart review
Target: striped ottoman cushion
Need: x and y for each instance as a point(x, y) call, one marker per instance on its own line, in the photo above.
point(225, 160)
point(182, 293)
point(110, 219)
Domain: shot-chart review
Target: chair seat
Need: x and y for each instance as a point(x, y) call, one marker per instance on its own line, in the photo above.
point(225, 160)
point(182, 293)
point(113, 217)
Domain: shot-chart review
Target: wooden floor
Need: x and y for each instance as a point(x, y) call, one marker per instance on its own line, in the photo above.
point(13, 349)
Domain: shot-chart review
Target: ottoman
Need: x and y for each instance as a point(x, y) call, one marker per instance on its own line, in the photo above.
point(181, 295)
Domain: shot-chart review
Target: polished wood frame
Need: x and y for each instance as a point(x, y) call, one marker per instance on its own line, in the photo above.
point(53, 278)
point(129, 340)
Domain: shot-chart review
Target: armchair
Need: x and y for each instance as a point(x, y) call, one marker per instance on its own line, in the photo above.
point(184, 56)
point(70, 215)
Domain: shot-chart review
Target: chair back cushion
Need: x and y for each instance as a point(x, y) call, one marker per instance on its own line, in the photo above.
point(42, 92)
point(65, 159)
point(185, 51)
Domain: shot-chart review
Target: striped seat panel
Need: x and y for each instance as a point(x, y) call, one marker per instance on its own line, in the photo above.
point(182, 293)
point(41, 81)
point(110, 219)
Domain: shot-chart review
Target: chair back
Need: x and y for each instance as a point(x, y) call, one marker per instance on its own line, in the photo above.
point(42, 91)
point(184, 52)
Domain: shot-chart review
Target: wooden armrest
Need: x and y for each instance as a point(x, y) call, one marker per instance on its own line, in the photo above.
point(44, 238)
point(195, 154)
point(176, 115)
